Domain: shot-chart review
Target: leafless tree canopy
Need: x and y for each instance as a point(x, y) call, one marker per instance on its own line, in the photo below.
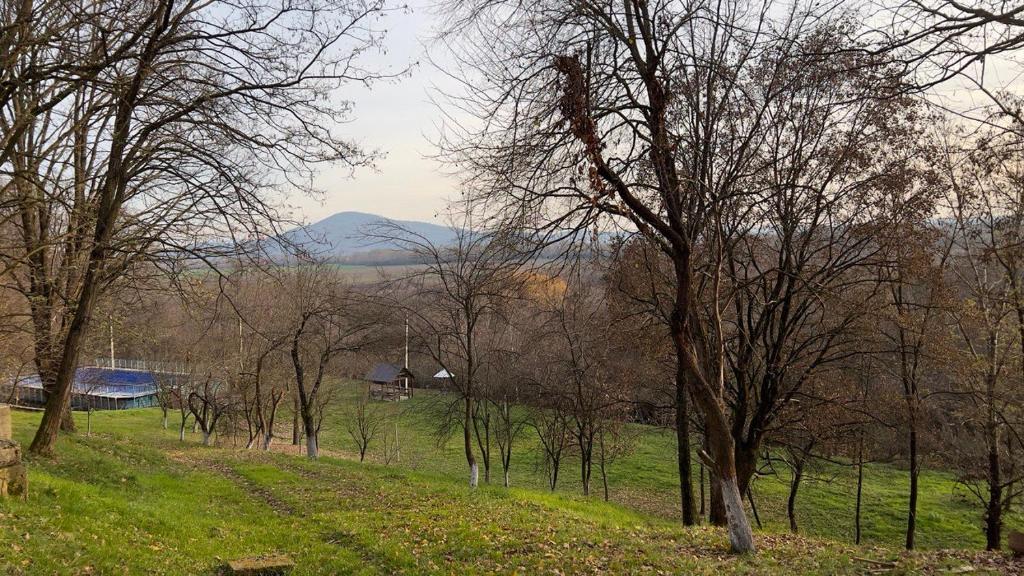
point(144, 132)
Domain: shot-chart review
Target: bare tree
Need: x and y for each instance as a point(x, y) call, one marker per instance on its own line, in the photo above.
point(455, 301)
point(662, 118)
point(640, 280)
point(209, 400)
point(268, 399)
point(552, 427)
point(975, 45)
point(985, 202)
point(326, 320)
point(510, 423)
point(264, 362)
point(169, 152)
point(51, 48)
point(180, 392)
point(585, 367)
point(363, 426)
point(917, 298)
point(614, 440)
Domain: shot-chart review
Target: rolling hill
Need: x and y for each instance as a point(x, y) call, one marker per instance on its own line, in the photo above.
point(348, 237)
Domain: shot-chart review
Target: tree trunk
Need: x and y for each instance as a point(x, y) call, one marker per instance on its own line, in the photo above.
point(586, 462)
point(268, 436)
point(483, 440)
point(683, 450)
point(506, 462)
point(794, 486)
point(67, 421)
point(753, 505)
point(702, 511)
point(741, 537)
point(253, 439)
point(487, 452)
point(912, 508)
point(585, 477)
point(312, 440)
point(718, 436)
point(57, 412)
point(746, 464)
point(716, 514)
point(994, 514)
point(860, 490)
point(468, 442)
point(296, 432)
point(312, 450)
point(604, 479)
point(994, 511)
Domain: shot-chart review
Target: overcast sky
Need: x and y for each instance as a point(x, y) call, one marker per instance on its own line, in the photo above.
point(398, 119)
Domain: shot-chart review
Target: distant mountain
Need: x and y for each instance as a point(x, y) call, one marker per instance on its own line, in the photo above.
point(348, 237)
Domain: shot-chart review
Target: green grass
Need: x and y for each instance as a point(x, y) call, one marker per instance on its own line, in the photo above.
point(647, 480)
point(131, 499)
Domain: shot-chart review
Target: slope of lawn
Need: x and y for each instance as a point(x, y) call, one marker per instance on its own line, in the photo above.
point(646, 479)
point(131, 499)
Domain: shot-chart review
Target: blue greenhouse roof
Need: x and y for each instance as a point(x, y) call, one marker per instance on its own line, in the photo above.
point(106, 382)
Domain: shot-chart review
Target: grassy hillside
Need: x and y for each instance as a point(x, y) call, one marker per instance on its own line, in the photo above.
point(131, 499)
point(647, 480)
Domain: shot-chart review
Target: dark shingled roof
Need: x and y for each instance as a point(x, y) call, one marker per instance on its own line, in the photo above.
point(387, 373)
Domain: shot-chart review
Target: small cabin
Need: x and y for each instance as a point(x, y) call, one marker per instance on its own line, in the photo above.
point(390, 382)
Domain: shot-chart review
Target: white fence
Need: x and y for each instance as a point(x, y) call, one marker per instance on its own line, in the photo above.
point(147, 365)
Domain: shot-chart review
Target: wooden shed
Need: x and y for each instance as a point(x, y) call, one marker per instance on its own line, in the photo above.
point(390, 382)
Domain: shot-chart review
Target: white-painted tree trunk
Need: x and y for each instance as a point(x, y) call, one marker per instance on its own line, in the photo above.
point(741, 537)
point(474, 475)
point(312, 450)
point(507, 484)
point(206, 438)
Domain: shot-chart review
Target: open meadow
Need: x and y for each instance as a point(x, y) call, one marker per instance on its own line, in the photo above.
point(130, 498)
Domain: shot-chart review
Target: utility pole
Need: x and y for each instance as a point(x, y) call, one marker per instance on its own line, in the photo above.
point(110, 318)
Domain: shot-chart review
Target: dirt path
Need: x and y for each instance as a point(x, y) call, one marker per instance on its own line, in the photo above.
point(261, 493)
